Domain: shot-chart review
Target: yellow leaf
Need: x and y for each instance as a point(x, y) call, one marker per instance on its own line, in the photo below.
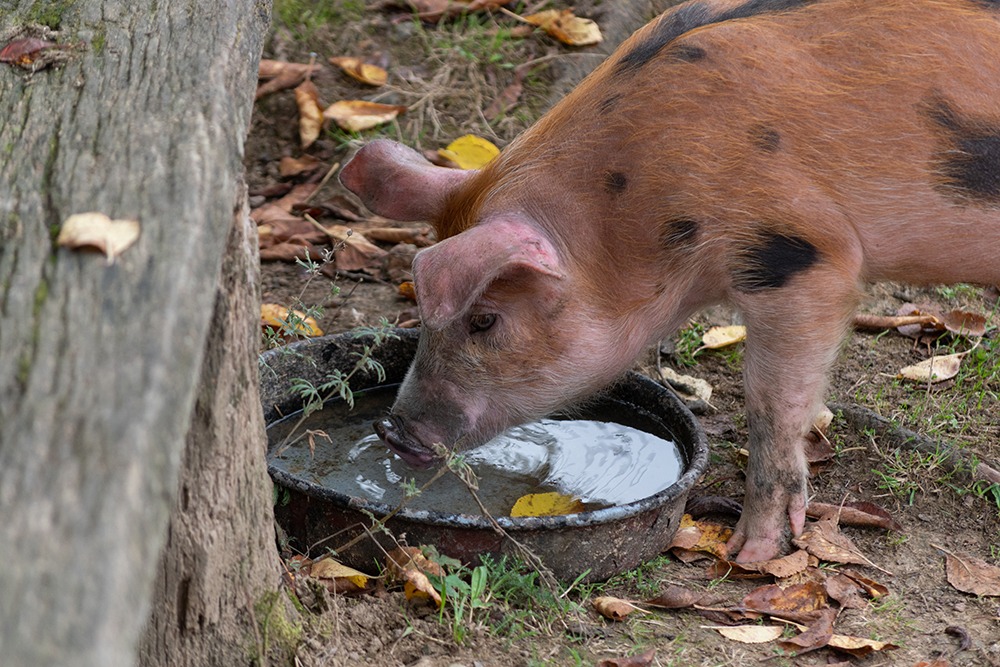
point(935, 369)
point(470, 152)
point(276, 316)
point(328, 568)
point(718, 337)
point(546, 504)
point(416, 586)
point(364, 72)
point(96, 230)
point(310, 115)
point(357, 115)
point(749, 634)
point(566, 27)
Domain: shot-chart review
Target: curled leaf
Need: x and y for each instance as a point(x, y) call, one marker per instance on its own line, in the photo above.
point(719, 337)
point(279, 317)
point(357, 115)
point(310, 113)
point(613, 608)
point(357, 69)
point(935, 369)
point(566, 27)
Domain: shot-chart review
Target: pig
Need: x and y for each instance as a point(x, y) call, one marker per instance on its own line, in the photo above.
point(772, 154)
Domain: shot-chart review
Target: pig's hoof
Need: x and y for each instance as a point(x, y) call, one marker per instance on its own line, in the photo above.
point(764, 535)
point(392, 432)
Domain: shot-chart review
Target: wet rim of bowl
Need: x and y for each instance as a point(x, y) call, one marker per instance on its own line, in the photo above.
point(696, 462)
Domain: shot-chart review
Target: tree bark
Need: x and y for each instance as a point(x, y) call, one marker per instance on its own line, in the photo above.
point(100, 363)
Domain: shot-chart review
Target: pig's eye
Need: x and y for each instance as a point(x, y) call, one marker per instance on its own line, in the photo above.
point(481, 322)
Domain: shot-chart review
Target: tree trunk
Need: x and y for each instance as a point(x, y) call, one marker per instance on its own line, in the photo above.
point(100, 363)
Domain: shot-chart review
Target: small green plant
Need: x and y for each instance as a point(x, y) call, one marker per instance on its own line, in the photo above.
point(305, 17)
point(688, 344)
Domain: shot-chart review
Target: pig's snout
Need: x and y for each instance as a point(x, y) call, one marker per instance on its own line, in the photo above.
point(392, 431)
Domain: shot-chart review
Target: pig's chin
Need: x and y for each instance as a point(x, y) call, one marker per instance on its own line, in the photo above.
point(417, 455)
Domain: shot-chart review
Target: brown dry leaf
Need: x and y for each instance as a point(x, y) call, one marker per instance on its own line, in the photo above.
point(279, 75)
point(641, 660)
point(815, 636)
point(845, 590)
point(415, 235)
point(824, 540)
point(678, 597)
point(566, 27)
point(782, 568)
point(857, 646)
point(100, 232)
point(310, 112)
point(872, 588)
point(551, 503)
point(470, 152)
point(357, 253)
point(613, 608)
point(293, 166)
point(435, 10)
point(749, 634)
point(701, 536)
point(935, 369)
point(340, 578)
point(786, 566)
point(358, 115)
point(964, 323)
point(357, 69)
point(719, 337)
point(26, 52)
point(411, 566)
point(972, 575)
point(276, 316)
point(855, 514)
point(406, 290)
point(791, 601)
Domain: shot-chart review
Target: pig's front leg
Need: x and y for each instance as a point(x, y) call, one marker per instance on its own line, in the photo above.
point(793, 336)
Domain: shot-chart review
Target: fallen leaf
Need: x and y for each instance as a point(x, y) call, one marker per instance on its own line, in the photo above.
point(418, 236)
point(96, 230)
point(719, 337)
point(411, 566)
point(310, 112)
point(816, 635)
point(278, 317)
point(25, 51)
point(972, 575)
point(566, 27)
point(679, 597)
point(749, 634)
point(358, 115)
point(935, 369)
point(406, 290)
point(789, 601)
point(824, 540)
point(613, 608)
point(357, 69)
point(964, 323)
point(641, 660)
point(687, 385)
point(845, 590)
point(353, 251)
point(470, 152)
point(508, 97)
point(293, 166)
point(342, 579)
point(546, 504)
point(700, 536)
point(858, 646)
point(874, 589)
point(279, 75)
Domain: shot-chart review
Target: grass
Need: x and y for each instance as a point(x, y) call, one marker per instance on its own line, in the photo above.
point(305, 17)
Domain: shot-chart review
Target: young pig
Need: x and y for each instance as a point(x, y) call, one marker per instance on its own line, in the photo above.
point(775, 154)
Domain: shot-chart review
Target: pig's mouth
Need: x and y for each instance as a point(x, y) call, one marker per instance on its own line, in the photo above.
point(390, 429)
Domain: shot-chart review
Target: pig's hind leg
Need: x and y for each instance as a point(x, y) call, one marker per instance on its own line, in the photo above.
point(795, 324)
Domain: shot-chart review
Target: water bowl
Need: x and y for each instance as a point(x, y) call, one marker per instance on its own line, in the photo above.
point(626, 459)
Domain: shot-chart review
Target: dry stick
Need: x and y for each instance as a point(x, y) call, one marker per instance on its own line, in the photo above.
point(860, 418)
point(329, 174)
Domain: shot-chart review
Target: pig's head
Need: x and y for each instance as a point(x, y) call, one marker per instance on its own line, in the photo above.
point(499, 310)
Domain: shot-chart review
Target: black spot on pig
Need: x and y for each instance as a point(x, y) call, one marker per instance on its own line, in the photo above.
point(968, 165)
point(773, 261)
point(615, 182)
point(765, 138)
point(608, 104)
point(679, 233)
point(667, 29)
point(688, 17)
point(688, 53)
point(989, 4)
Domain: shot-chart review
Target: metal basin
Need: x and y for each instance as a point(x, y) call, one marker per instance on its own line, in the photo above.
point(600, 543)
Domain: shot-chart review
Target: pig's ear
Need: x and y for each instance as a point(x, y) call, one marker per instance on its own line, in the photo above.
point(396, 181)
point(451, 275)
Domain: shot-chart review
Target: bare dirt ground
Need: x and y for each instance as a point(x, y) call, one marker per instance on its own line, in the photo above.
point(448, 74)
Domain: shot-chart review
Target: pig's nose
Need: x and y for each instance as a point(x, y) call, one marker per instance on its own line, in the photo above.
point(389, 429)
